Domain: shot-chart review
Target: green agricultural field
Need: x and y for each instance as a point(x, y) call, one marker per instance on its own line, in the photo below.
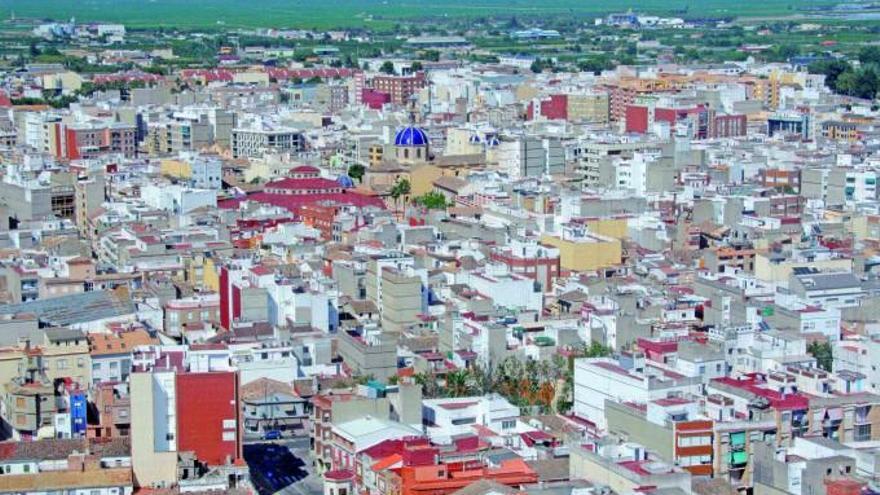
point(205, 14)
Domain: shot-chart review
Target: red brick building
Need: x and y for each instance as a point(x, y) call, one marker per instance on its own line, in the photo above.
point(84, 141)
point(780, 179)
point(401, 88)
point(729, 126)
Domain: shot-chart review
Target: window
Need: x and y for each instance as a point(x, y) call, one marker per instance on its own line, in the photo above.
point(228, 436)
point(228, 424)
point(508, 424)
point(738, 439)
point(464, 421)
point(27, 468)
point(862, 433)
point(61, 364)
point(693, 441)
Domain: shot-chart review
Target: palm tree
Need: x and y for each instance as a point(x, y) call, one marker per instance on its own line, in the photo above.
point(428, 382)
point(457, 383)
point(400, 189)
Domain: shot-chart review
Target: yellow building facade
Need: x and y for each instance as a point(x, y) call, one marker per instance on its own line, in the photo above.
point(588, 253)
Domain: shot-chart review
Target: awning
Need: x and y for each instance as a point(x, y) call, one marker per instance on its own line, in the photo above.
point(738, 439)
point(835, 414)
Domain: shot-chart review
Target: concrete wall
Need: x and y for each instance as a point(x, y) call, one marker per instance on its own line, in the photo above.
point(150, 468)
point(655, 438)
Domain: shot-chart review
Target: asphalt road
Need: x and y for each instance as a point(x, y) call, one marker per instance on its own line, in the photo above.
point(282, 466)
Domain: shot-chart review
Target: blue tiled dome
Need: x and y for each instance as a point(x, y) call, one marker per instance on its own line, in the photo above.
point(411, 136)
point(345, 181)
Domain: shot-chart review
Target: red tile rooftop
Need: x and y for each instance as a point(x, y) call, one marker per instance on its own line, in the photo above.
point(777, 400)
point(305, 169)
point(672, 401)
point(339, 475)
point(538, 435)
point(670, 374)
point(261, 270)
point(636, 467)
point(387, 462)
point(811, 309)
point(615, 369)
point(661, 347)
point(208, 347)
point(303, 184)
point(293, 202)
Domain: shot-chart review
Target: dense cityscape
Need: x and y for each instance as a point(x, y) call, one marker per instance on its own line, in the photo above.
point(485, 249)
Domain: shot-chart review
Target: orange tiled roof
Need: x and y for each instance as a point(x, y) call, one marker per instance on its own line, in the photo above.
point(59, 480)
point(387, 462)
point(107, 343)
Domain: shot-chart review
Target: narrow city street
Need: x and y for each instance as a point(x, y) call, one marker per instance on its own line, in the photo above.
point(282, 466)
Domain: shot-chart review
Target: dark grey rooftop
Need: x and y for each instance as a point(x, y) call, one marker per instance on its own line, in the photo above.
point(75, 308)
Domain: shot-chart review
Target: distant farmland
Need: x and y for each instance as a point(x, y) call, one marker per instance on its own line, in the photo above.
point(381, 13)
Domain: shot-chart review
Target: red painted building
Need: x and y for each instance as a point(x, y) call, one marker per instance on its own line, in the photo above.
point(702, 119)
point(374, 99)
point(84, 141)
point(553, 108)
point(225, 298)
point(232, 280)
point(637, 119)
point(541, 265)
point(209, 417)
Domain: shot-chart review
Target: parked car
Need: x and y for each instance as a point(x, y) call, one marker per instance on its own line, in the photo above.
point(272, 435)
